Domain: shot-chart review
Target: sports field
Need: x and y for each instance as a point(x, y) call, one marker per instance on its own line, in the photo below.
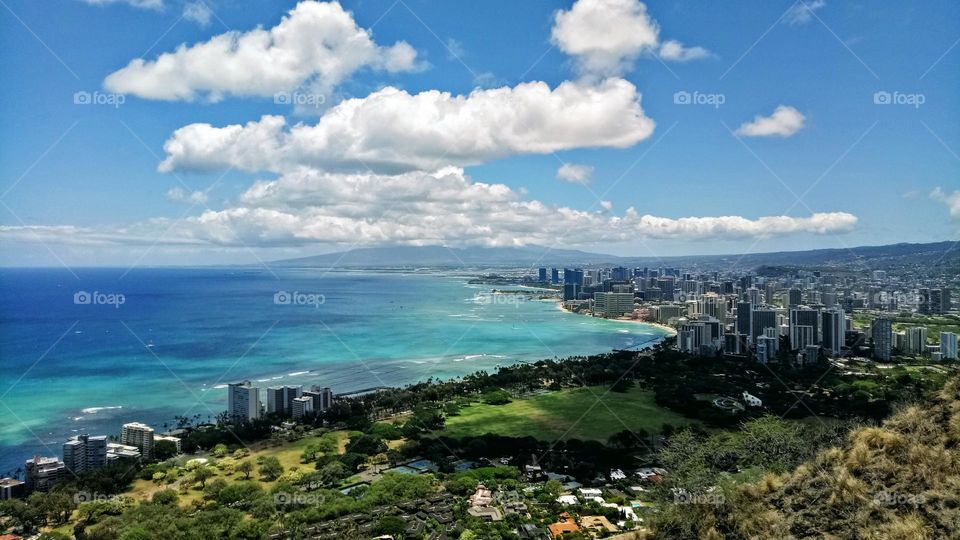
point(566, 414)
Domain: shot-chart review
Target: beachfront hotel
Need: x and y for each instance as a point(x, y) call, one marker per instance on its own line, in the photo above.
point(243, 401)
point(139, 435)
point(85, 453)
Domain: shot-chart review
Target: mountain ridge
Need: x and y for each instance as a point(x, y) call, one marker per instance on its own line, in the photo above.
point(545, 256)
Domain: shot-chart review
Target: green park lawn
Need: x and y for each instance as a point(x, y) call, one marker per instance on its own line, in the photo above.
point(566, 414)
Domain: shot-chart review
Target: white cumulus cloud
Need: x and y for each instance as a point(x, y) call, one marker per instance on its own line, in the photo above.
point(951, 200)
point(198, 12)
point(393, 131)
point(446, 207)
point(578, 174)
point(606, 36)
point(784, 122)
point(179, 194)
point(316, 43)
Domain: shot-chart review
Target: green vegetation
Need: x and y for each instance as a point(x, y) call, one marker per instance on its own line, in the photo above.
point(933, 323)
point(566, 414)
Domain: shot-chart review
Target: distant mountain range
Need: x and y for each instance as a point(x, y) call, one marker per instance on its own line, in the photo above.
point(439, 256)
point(444, 256)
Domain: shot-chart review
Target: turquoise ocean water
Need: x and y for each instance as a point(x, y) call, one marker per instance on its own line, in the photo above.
point(179, 335)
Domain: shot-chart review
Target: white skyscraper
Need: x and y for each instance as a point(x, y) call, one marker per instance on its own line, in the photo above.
point(243, 401)
point(139, 435)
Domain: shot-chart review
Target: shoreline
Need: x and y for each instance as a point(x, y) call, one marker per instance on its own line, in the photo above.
point(670, 330)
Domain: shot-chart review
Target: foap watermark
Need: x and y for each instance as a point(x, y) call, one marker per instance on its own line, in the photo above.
point(299, 99)
point(698, 98)
point(889, 498)
point(97, 298)
point(682, 496)
point(285, 498)
point(499, 299)
point(915, 100)
point(297, 298)
point(99, 98)
point(81, 497)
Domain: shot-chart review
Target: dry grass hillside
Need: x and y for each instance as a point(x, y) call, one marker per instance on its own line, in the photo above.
point(897, 481)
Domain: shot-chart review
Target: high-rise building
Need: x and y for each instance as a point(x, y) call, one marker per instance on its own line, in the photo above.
point(833, 329)
point(766, 349)
point(322, 398)
point(573, 275)
point(301, 406)
point(554, 276)
point(882, 331)
point(794, 297)
point(280, 398)
point(243, 401)
point(41, 473)
point(938, 301)
point(612, 304)
point(804, 327)
point(542, 275)
point(948, 346)
point(745, 319)
point(761, 319)
point(915, 341)
point(85, 453)
point(138, 435)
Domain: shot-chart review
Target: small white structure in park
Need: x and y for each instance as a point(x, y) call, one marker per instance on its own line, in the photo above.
point(751, 400)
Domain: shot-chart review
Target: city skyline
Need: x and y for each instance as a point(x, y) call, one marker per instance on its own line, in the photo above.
point(692, 129)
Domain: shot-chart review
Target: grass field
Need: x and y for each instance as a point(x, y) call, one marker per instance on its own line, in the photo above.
point(566, 414)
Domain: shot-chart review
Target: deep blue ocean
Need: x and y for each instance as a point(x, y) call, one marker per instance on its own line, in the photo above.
point(86, 353)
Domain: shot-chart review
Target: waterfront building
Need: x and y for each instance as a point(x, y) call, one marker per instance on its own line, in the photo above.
point(948, 345)
point(301, 406)
point(322, 398)
point(40, 473)
point(612, 304)
point(554, 276)
point(140, 436)
point(280, 398)
point(243, 401)
point(663, 314)
point(542, 275)
point(11, 488)
point(121, 452)
point(570, 291)
point(881, 330)
point(85, 453)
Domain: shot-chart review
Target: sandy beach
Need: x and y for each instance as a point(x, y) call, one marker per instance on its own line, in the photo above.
point(670, 330)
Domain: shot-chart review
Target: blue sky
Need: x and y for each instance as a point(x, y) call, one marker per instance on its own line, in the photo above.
point(81, 181)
